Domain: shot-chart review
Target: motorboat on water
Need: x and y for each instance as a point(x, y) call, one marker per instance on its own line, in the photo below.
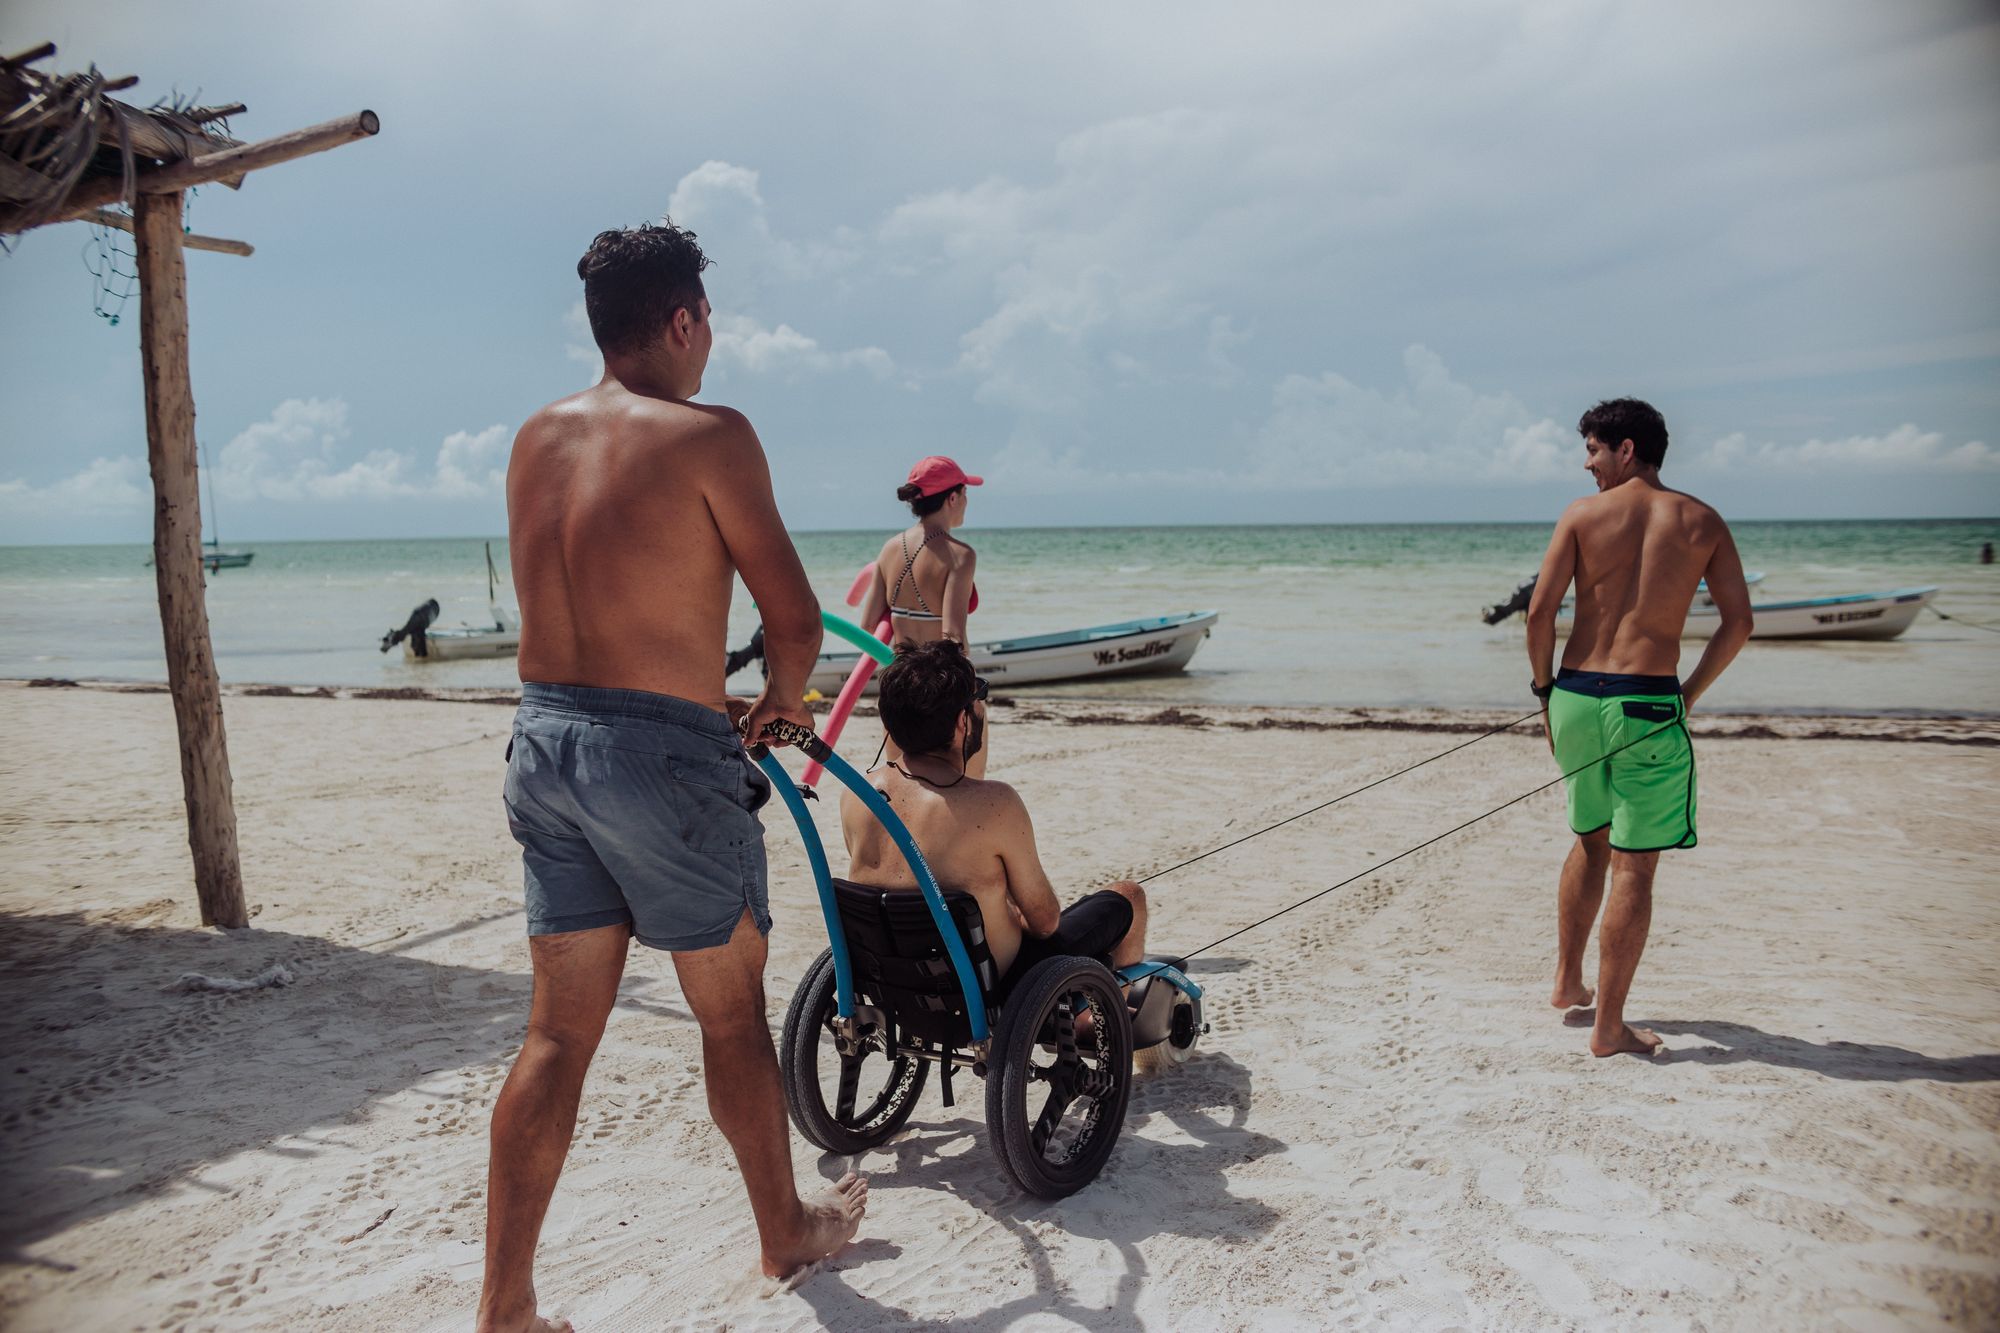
point(1517, 601)
point(502, 638)
point(1861, 615)
point(1127, 648)
point(424, 643)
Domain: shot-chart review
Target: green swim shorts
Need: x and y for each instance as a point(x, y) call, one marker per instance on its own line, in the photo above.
point(1645, 791)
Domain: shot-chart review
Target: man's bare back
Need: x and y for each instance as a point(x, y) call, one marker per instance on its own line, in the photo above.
point(630, 516)
point(1636, 553)
point(1639, 553)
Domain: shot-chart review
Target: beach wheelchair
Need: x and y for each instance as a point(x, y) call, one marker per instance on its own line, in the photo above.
point(908, 982)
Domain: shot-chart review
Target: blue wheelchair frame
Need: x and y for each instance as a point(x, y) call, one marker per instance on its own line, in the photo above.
point(975, 999)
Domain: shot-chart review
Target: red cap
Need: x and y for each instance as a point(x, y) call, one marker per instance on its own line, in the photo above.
point(937, 474)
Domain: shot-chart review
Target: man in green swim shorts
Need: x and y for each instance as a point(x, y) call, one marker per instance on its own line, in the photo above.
point(1617, 711)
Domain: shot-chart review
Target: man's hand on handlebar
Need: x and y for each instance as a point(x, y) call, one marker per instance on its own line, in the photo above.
point(755, 717)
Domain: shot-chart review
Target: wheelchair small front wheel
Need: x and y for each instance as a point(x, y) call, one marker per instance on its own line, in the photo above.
point(1061, 1076)
point(1183, 1035)
point(844, 1102)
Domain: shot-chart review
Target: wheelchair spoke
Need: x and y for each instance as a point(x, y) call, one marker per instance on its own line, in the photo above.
point(1061, 1094)
point(850, 1078)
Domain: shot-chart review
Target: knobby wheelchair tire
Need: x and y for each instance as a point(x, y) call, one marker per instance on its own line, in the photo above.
point(807, 1039)
point(1042, 1069)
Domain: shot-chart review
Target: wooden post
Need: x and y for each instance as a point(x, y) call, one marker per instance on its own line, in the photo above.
point(170, 449)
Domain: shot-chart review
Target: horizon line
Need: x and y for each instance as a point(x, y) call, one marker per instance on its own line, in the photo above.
point(1069, 527)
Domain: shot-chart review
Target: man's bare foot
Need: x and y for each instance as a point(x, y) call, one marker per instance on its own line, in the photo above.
point(832, 1216)
point(1575, 995)
point(1637, 1041)
point(528, 1323)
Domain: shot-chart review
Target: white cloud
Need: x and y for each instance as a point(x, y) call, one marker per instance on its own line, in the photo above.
point(106, 486)
point(295, 454)
point(1902, 450)
point(1136, 235)
point(743, 343)
point(724, 202)
point(472, 465)
point(579, 344)
point(1327, 430)
point(280, 456)
point(290, 457)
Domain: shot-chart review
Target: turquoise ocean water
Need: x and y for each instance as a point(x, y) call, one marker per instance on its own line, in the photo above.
point(1364, 615)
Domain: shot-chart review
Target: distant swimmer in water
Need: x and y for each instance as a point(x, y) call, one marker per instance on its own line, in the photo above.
point(1636, 551)
point(923, 574)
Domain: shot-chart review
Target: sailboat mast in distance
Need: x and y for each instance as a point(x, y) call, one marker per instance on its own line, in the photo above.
point(213, 557)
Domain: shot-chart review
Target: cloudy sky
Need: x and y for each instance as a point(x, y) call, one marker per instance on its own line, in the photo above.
point(1135, 263)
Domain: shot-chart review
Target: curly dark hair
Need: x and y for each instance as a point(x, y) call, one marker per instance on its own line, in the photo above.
point(634, 279)
point(1617, 419)
point(923, 506)
point(924, 691)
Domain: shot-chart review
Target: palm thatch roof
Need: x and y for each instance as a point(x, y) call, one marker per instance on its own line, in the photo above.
point(67, 146)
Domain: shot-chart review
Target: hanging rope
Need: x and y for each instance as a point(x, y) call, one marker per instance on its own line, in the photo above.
point(1181, 865)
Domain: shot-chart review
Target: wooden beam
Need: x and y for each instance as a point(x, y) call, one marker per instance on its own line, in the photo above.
point(170, 449)
point(151, 138)
point(177, 176)
point(106, 218)
point(17, 182)
point(42, 52)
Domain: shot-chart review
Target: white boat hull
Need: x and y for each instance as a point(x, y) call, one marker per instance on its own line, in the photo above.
point(1165, 643)
point(1862, 616)
point(453, 645)
point(1871, 615)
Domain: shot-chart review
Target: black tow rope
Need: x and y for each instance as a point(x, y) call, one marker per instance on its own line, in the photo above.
point(1380, 865)
point(1338, 799)
point(1960, 620)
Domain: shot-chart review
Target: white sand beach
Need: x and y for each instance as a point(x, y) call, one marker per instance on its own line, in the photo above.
point(1386, 1127)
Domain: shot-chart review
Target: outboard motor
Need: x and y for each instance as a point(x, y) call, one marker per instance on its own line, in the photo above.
point(750, 652)
point(1493, 615)
point(413, 629)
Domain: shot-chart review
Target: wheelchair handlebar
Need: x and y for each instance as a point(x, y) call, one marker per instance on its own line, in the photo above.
point(791, 733)
point(806, 740)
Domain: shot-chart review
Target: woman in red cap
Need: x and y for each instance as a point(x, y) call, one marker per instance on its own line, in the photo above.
point(923, 576)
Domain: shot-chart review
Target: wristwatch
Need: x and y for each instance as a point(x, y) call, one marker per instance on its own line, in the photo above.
point(1541, 692)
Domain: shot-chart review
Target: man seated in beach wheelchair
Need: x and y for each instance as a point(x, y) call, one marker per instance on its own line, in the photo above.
point(1048, 1005)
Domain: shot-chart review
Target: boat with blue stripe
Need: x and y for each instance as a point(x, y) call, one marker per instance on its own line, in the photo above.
point(1127, 648)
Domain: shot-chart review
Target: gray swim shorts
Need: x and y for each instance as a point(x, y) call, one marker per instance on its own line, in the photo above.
point(635, 809)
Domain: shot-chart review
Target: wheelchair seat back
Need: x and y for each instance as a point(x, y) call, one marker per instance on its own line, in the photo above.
point(900, 963)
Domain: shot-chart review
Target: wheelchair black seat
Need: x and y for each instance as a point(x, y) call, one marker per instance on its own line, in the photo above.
point(900, 962)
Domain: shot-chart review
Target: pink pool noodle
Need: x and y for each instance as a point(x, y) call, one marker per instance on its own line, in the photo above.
point(859, 588)
point(850, 693)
